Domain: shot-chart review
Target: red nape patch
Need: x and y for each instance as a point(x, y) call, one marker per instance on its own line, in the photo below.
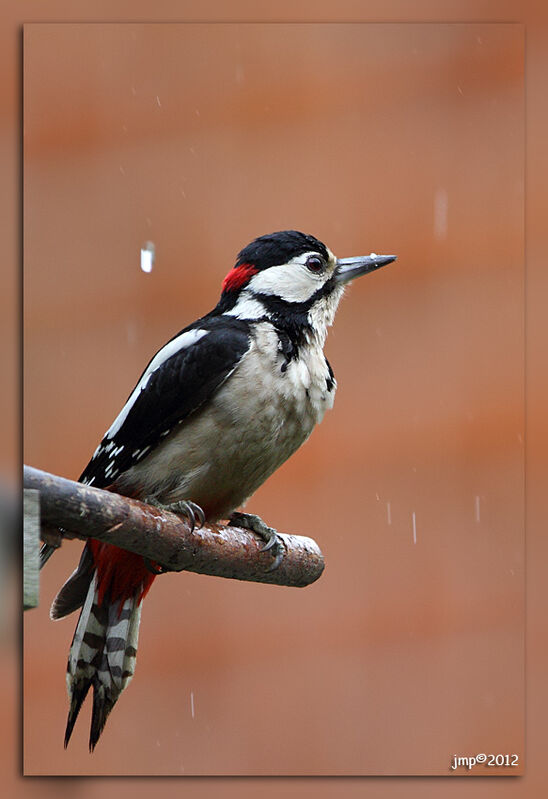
point(239, 276)
point(123, 574)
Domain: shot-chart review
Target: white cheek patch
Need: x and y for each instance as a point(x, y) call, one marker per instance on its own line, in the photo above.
point(246, 307)
point(179, 343)
point(291, 282)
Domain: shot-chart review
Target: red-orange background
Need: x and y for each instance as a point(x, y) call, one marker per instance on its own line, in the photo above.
point(393, 138)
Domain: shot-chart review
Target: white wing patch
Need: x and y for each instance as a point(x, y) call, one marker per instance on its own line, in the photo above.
point(183, 341)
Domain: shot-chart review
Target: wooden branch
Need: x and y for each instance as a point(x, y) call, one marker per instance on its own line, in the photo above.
point(166, 538)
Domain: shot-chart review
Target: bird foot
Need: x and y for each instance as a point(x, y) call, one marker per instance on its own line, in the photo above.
point(269, 535)
point(185, 507)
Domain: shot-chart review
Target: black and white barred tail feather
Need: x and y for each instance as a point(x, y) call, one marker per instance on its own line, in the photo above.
point(102, 657)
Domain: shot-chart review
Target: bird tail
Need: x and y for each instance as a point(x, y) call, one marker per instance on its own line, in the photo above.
point(104, 647)
point(102, 656)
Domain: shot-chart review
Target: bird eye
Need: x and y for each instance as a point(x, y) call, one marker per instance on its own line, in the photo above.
point(315, 264)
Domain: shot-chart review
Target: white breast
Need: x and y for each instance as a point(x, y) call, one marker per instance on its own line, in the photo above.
point(260, 416)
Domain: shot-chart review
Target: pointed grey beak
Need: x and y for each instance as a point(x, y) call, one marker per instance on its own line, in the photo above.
point(349, 268)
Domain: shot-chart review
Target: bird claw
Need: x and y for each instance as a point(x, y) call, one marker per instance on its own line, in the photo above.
point(272, 541)
point(269, 535)
point(277, 560)
point(190, 509)
point(194, 512)
point(186, 507)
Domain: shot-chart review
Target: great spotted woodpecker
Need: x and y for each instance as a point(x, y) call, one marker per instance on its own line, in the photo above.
point(217, 410)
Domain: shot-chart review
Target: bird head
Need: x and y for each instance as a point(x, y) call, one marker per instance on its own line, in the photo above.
point(292, 279)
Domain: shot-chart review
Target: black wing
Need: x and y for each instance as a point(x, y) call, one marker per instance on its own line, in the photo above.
point(189, 369)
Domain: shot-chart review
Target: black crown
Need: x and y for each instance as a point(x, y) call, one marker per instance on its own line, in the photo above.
point(279, 248)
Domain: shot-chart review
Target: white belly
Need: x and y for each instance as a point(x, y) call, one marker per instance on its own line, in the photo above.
point(221, 454)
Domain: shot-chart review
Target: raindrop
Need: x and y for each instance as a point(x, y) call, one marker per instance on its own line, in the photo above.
point(414, 528)
point(148, 256)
